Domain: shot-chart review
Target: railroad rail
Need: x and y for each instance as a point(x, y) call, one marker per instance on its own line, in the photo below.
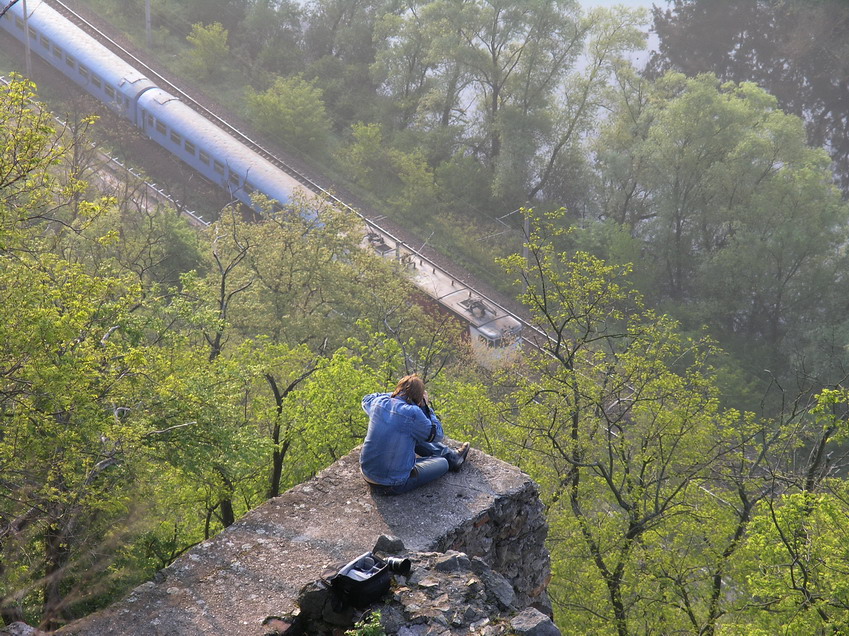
point(443, 283)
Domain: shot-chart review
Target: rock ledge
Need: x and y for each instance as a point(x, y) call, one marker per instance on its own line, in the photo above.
point(257, 567)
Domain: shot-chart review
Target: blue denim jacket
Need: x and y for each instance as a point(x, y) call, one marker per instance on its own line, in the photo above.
point(394, 428)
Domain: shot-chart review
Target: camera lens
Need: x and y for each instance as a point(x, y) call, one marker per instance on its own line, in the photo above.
point(399, 566)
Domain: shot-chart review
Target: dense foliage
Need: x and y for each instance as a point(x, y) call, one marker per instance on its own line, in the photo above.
point(157, 380)
point(669, 513)
point(796, 50)
point(439, 113)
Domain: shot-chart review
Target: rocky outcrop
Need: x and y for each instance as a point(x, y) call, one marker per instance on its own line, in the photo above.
point(445, 594)
point(484, 526)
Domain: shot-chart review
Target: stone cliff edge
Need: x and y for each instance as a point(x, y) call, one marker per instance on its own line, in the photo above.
point(254, 569)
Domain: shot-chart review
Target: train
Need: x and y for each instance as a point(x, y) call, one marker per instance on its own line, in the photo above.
point(223, 159)
point(161, 116)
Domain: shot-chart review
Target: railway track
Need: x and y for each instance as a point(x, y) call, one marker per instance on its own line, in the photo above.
point(187, 99)
point(397, 237)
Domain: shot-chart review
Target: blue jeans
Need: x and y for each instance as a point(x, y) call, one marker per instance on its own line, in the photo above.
point(433, 462)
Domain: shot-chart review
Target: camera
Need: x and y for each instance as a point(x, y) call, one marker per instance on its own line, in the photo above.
point(399, 566)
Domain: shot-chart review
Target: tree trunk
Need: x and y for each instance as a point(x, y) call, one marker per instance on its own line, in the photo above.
point(228, 517)
point(714, 610)
point(495, 148)
point(448, 105)
point(56, 553)
point(279, 453)
point(11, 613)
point(10, 608)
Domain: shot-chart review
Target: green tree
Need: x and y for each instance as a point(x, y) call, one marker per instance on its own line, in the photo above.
point(517, 53)
point(403, 62)
point(403, 179)
point(792, 49)
point(799, 541)
point(288, 276)
point(796, 541)
point(144, 407)
point(501, 82)
point(272, 36)
point(292, 110)
point(660, 502)
point(209, 48)
point(324, 418)
point(85, 340)
point(29, 151)
point(344, 29)
point(68, 446)
point(610, 35)
point(228, 12)
point(207, 437)
point(622, 423)
point(737, 217)
point(149, 241)
point(282, 370)
point(339, 49)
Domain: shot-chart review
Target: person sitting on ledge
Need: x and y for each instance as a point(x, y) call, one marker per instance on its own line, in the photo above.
point(401, 426)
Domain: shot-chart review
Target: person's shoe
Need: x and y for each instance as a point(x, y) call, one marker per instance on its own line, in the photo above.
point(462, 453)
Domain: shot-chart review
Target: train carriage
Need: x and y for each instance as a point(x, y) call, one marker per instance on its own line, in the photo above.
point(89, 65)
point(202, 145)
point(163, 117)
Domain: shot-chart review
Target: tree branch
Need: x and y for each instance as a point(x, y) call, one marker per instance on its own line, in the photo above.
point(169, 429)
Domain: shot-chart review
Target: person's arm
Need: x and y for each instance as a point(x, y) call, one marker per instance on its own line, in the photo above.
point(426, 426)
point(436, 427)
point(368, 400)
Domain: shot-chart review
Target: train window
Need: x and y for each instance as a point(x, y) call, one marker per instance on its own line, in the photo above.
point(83, 71)
point(234, 179)
point(70, 61)
point(32, 34)
point(249, 187)
point(497, 342)
point(160, 127)
point(176, 138)
point(219, 167)
point(96, 80)
point(18, 22)
point(204, 157)
point(190, 147)
point(57, 52)
point(110, 92)
point(44, 42)
point(149, 119)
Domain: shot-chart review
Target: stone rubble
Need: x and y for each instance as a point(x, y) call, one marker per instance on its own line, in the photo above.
point(446, 594)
